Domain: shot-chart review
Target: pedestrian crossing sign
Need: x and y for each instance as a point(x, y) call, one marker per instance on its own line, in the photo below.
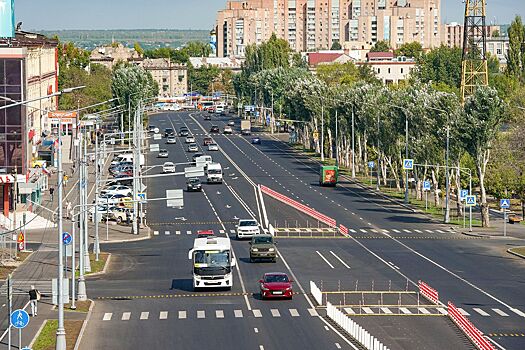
point(504, 203)
point(408, 164)
point(471, 201)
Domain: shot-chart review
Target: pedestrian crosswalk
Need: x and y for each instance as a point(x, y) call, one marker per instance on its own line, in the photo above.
point(204, 314)
point(187, 232)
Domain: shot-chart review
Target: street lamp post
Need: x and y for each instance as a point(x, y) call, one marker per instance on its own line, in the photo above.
point(322, 132)
point(406, 155)
point(336, 139)
point(378, 155)
point(353, 144)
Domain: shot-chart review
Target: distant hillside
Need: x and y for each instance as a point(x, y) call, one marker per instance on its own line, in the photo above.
point(148, 38)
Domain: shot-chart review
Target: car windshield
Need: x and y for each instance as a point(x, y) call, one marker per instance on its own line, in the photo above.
point(163, 151)
point(212, 258)
point(213, 145)
point(169, 130)
point(262, 240)
point(248, 223)
point(275, 278)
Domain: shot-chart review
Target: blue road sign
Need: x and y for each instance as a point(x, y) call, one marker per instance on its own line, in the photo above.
point(471, 201)
point(463, 194)
point(268, 119)
point(26, 348)
point(408, 164)
point(504, 203)
point(371, 165)
point(19, 318)
point(426, 185)
point(66, 238)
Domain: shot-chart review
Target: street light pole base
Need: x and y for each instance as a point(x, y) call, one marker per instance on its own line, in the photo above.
point(82, 294)
point(61, 340)
point(87, 262)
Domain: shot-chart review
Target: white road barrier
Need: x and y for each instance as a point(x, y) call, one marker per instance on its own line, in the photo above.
point(316, 293)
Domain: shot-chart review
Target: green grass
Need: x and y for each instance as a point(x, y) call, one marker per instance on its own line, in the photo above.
point(47, 338)
point(519, 250)
point(96, 266)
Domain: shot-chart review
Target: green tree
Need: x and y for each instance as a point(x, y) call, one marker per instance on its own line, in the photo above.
point(203, 79)
point(338, 73)
point(483, 115)
point(132, 84)
point(413, 49)
point(381, 46)
point(336, 46)
point(516, 53)
point(197, 49)
point(440, 65)
point(175, 56)
point(138, 49)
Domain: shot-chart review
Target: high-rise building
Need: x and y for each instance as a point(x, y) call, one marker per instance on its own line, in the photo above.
point(310, 25)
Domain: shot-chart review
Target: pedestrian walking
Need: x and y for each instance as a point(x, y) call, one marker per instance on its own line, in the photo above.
point(64, 180)
point(34, 297)
point(51, 192)
point(68, 209)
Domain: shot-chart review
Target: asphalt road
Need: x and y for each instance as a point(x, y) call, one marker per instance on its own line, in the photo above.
point(391, 248)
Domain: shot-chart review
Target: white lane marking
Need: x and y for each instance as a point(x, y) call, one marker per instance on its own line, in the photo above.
point(182, 315)
point(326, 327)
point(257, 313)
point(440, 231)
point(201, 314)
point(337, 345)
point(261, 347)
point(219, 313)
point(275, 313)
point(373, 230)
point(480, 311)
point(107, 316)
point(166, 233)
point(363, 230)
point(232, 231)
point(405, 311)
point(429, 231)
point(155, 233)
point(144, 315)
point(442, 310)
point(368, 310)
point(463, 312)
point(349, 310)
point(386, 310)
point(385, 231)
point(313, 312)
point(188, 232)
point(500, 312)
point(518, 312)
point(326, 261)
point(294, 312)
point(396, 231)
point(163, 315)
point(423, 310)
point(352, 230)
point(177, 232)
point(256, 330)
point(126, 316)
point(418, 231)
point(340, 260)
point(237, 313)
point(221, 231)
point(407, 231)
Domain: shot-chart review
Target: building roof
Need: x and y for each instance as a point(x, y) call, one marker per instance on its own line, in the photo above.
point(28, 39)
point(380, 56)
point(220, 62)
point(316, 58)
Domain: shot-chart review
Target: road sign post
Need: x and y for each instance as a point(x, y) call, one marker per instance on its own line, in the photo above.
point(470, 202)
point(408, 164)
point(371, 165)
point(426, 188)
point(19, 319)
point(504, 204)
point(463, 197)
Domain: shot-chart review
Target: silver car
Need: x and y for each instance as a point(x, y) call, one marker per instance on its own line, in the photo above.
point(213, 147)
point(190, 139)
point(168, 167)
point(163, 153)
point(171, 140)
point(193, 147)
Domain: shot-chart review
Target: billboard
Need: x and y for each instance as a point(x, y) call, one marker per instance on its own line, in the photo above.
point(7, 18)
point(62, 116)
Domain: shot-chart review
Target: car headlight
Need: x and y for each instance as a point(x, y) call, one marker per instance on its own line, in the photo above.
point(255, 249)
point(264, 288)
point(271, 249)
point(289, 288)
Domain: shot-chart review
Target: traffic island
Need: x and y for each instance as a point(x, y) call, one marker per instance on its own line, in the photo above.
point(518, 251)
point(46, 339)
point(97, 267)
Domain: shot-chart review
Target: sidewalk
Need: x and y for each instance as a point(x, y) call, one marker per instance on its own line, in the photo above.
point(41, 266)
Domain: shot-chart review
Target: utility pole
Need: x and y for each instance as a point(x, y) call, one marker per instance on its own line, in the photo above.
point(96, 247)
point(406, 156)
point(378, 169)
point(353, 144)
point(336, 139)
point(322, 132)
point(81, 282)
point(85, 175)
point(136, 162)
point(61, 331)
point(447, 194)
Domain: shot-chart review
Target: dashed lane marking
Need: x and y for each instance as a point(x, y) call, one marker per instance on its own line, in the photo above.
point(294, 313)
point(107, 316)
point(155, 233)
point(313, 312)
point(423, 310)
point(275, 313)
point(506, 334)
point(257, 313)
point(368, 310)
point(188, 232)
point(144, 315)
point(201, 314)
point(219, 313)
point(386, 310)
point(126, 316)
point(349, 310)
point(237, 313)
point(500, 312)
point(405, 310)
point(163, 315)
point(463, 312)
point(481, 312)
point(167, 233)
point(177, 232)
point(442, 310)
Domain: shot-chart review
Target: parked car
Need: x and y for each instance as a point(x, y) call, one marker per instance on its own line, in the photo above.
point(231, 123)
point(193, 184)
point(119, 214)
point(263, 247)
point(276, 285)
point(112, 199)
point(247, 228)
point(192, 147)
point(213, 147)
point(190, 139)
point(228, 130)
point(101, 210)
point(168, 167)
point(124, 174)
point(169, 132)
point(121, 169)
point(128, 183)
point(171, 140)
point(163, 153)
point(256, 141)
point(215, 129)
point(151, 128)
point(207, 141)
point(117, 189)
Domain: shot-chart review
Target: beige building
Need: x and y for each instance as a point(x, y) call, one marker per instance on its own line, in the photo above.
point(390, 69)
point(109, 55)
point(172, 78)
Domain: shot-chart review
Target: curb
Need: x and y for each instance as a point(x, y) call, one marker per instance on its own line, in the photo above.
point(84, 325)
point(514, 253)
point(472, 234)
point(148, 236)
point(103, 270)
point(37, 334)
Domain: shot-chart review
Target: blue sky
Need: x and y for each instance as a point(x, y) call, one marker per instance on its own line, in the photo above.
point(180, 14)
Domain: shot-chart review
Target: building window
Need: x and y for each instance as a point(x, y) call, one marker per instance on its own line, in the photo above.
point(165, 88)
point(181, 78)
point(401, 70)
point(388, 70)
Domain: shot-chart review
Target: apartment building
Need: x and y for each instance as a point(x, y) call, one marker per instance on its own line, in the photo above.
point(307, 25)
point(172, 78)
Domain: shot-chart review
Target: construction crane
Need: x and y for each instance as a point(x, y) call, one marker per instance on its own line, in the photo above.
point(474, 70)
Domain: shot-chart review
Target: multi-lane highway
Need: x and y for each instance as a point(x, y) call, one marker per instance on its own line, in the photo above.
point(146, 298)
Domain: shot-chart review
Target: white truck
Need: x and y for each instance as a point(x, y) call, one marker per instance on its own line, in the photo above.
point(212, 262)
point(246, 127)
point(126, 157)
point(213, 172)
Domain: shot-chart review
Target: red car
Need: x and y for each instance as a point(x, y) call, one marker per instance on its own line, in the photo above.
point(276, 285)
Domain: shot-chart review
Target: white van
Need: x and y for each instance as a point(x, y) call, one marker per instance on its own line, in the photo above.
point(214, 173)
point(126, 157)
